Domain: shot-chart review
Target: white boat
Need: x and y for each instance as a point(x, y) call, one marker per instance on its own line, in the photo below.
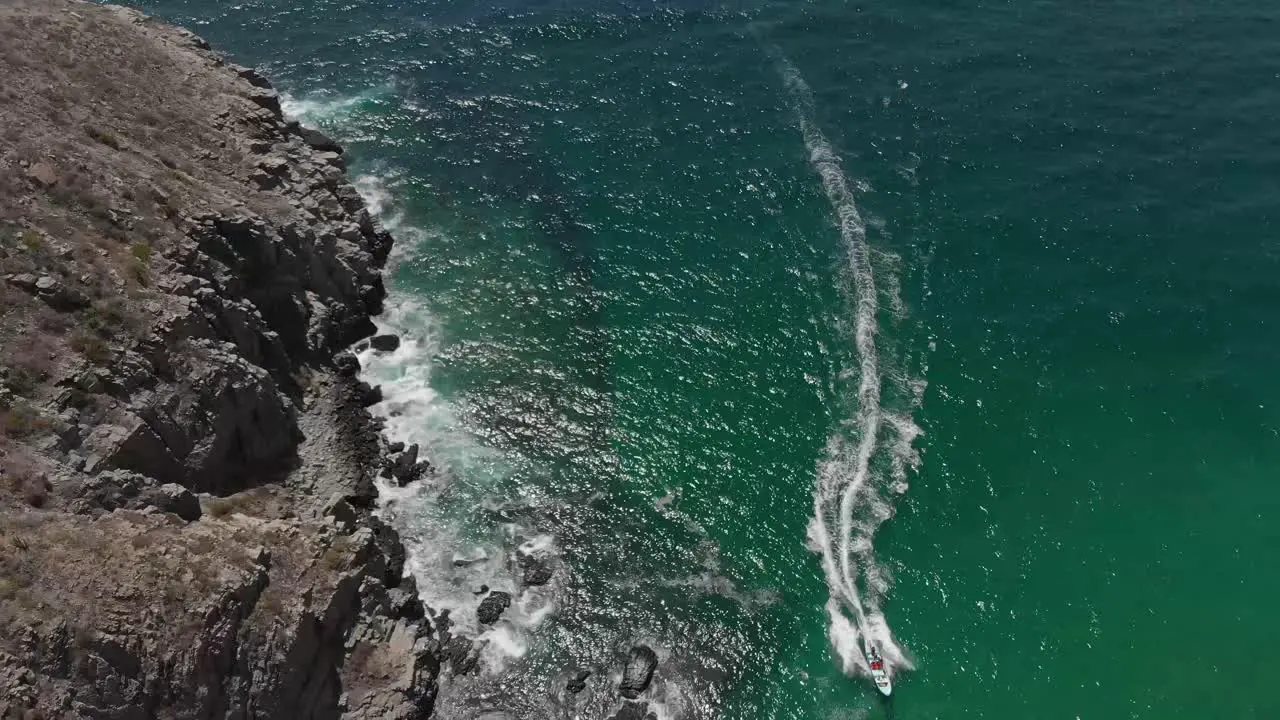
point(879, 671)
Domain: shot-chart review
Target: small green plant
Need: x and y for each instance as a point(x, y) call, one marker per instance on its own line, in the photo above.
point(142, 252)
point(141, 273)
point(104, 315)
point(102, 136)
point(21, 381)
point(31, 241)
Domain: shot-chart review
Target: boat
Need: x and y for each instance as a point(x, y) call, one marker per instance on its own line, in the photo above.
point(879, 671)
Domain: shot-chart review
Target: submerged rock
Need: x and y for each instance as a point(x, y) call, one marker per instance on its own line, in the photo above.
point(492, 607)
point(385, 343)
point(466, 559)
point(578, 682)
point(406, 468)
point(634, 711)
point(534, 570)
point(638, 673)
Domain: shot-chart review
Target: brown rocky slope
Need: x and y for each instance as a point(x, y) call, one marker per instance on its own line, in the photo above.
point(186, 465)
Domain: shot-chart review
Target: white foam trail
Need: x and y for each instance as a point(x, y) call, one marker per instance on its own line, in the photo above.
point(845, 495)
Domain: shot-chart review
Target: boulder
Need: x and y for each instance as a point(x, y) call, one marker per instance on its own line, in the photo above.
point(53, 291)
point(112, 489)
point(405, 468)
point(491, 609)
point(173, 498)
point(319, 140)
point(43, 174)
point(346, 364)
point(340, 510)
point(638, 672)
point(267, 99)
point(369, 394)
point(253, 76)
point(24, 281)
point(385, 343)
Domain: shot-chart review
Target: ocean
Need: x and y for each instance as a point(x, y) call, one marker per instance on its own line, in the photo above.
point(785, 327)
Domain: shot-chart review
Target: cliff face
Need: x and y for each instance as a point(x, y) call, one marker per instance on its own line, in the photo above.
point(186, 465)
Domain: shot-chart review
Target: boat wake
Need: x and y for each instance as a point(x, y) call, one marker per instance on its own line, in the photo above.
point(867, 458)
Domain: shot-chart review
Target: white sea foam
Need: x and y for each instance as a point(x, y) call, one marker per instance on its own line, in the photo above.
point(449, 556)
point(322, 108)
point(853, 493)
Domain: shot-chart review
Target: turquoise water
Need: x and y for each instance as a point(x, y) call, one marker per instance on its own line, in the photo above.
point(633, 308)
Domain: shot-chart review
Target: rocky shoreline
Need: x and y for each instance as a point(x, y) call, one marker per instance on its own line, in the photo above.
point(187, 460)
point(188, 464)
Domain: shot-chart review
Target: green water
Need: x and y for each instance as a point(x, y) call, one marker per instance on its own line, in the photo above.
point(628, 284)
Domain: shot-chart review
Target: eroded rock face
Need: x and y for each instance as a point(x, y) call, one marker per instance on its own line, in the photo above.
point(191, 533)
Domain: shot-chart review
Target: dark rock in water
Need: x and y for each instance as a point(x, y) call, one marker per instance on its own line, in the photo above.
point(578, 682)
point(491, 609)
point(395, 447)
point(641, 662)
point(534, 570)
point(369, 394)
point(385, 343)
point(405, 468)
point(253, 76)
point(634, 711)
point(483, 589)
point(346, 364)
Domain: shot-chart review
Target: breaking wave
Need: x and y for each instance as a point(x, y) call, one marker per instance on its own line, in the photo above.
point(453, 557)
point(867, 458)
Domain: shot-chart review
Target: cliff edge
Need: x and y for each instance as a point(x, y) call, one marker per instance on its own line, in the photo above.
point(186, 463)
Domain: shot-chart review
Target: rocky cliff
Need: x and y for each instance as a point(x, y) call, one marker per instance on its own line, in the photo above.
point(186, 464)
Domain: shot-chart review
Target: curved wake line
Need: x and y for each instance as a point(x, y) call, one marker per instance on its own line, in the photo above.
point(839, 480)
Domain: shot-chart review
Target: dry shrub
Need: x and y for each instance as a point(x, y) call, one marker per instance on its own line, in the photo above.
point(93, 348)
point(33, 488)
point(22, 381)
point(22, 420)
point(103, 136)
